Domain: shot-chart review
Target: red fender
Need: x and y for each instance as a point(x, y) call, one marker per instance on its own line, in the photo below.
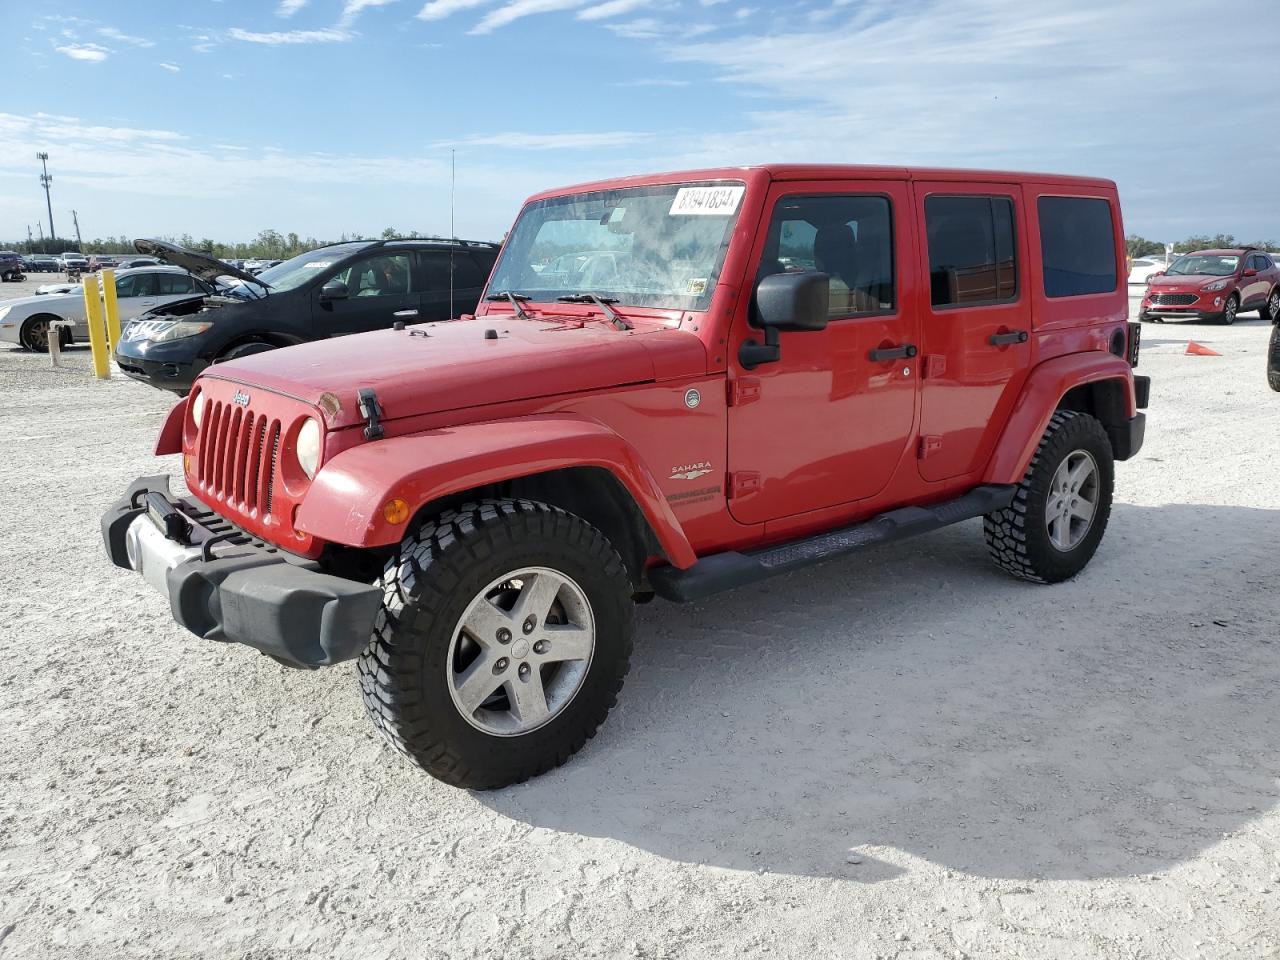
point(344, 504)
point(1045, 386)
point(170, 439)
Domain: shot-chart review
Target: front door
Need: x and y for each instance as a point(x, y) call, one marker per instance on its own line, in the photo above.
point(381, 289)
point(975, 341)
point(829, 421)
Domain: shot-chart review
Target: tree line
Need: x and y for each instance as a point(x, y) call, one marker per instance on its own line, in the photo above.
point(267, 245)
point(1138, 246)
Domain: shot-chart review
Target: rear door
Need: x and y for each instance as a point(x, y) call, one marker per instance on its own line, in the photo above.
point(453, 280)
point(975, 341)
point(382, 287)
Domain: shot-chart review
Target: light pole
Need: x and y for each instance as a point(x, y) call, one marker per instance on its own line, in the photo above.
point(76, 221)
point(45, 181)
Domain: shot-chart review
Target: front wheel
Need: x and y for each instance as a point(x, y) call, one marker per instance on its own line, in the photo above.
point(1053, 527)
point(1230, 310)
point(502, 643)
point(1273, 359)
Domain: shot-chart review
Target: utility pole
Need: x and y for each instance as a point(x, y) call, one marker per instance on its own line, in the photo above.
point(76, 221)
point(40, 227)
point(30, 246)
point(45, 181)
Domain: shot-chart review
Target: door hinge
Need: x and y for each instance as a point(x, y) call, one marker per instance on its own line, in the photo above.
point(743, 482)
point(929, 446)
point(743, 390)
point(935, 365)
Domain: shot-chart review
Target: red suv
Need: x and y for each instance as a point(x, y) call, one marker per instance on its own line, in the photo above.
point(675, 385)
point(1214, 285)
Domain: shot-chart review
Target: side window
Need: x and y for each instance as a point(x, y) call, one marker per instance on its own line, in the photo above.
point(971, 250)
point(1077, 246)
point(384, 275)
point(171, 283)
point(849, 238)
point(136, 285)
point(466, 272)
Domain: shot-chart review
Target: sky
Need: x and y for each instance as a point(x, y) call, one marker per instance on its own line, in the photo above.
point(221, 118)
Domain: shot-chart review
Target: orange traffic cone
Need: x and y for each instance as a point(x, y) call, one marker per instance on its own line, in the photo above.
point(1200, 350)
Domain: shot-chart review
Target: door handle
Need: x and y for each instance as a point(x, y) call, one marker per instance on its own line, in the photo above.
point(405, 313)
point(904, 352)
point(1004, 339)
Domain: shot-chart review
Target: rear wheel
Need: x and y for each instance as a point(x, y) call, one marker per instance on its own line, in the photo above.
point(502, 643)
point(1271, 309)
point(1060, 511)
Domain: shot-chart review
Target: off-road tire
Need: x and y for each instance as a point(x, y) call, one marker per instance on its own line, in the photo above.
point(1017, 536)
point(436, 573)
point(1273, 359)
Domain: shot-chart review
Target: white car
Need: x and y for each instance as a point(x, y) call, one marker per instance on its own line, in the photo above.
point(1142, 268)
point(25, 321)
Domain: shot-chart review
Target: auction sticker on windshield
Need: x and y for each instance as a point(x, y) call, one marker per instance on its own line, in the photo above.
point(706, 201)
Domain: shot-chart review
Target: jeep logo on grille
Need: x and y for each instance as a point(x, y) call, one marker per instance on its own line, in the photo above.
point(241, 398)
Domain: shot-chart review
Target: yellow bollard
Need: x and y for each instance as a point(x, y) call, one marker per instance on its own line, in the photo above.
point(97, 332)
point(112, 310)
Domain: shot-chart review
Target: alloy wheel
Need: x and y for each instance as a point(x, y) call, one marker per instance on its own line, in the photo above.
point(521, 651)
point(1073, 500)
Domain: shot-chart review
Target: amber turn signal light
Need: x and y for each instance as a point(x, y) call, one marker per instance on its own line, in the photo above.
point(395, 510)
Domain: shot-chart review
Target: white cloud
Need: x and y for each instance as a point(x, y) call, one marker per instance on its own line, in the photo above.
point(112, 33)
point(171, 67)
point(611, 8)
point(288, 8)
point(515, 10)
point(353, 9)
point(84, 51)
point(281, 38)
point(440, 9)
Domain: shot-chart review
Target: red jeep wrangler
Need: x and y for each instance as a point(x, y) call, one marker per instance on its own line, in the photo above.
point(675, 385)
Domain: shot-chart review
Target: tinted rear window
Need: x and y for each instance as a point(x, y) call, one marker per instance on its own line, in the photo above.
point(1077, 246)
point(971, 250)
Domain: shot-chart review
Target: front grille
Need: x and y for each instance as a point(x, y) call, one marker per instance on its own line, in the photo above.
point(1172, 299)
point(232, 469)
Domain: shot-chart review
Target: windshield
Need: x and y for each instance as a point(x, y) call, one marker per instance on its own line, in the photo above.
point(306, 266)
point(1202, 265)
point(658, 246)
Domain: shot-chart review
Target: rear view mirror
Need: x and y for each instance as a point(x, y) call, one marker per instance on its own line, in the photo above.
point(334, 290)
point(793, 301)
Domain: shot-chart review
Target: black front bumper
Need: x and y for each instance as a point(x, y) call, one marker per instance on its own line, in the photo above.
point(224, 585)
point(167, 375)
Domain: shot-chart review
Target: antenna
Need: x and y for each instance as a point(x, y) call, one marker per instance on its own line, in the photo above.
point(453, 234)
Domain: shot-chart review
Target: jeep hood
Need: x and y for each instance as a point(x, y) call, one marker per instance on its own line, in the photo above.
point(455, 366)
point(201, 264)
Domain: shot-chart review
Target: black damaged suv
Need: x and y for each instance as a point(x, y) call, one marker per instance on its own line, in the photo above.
point(330, 292)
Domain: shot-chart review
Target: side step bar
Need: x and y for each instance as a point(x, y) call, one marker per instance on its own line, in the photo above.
point(724, 571)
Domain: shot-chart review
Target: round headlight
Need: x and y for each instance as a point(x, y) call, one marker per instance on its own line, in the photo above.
point(197, 409)
point(309, 447)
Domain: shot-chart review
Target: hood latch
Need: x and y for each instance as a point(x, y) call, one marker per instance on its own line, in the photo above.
point(367, 400)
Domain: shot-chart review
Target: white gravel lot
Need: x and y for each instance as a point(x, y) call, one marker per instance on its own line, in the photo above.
point(904, 754)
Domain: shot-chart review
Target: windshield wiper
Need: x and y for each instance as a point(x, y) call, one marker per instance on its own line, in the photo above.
point(515, 300)
point(603, 303)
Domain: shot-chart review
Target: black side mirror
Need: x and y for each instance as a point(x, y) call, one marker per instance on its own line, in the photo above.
point(786, 301)
point(334, 290)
